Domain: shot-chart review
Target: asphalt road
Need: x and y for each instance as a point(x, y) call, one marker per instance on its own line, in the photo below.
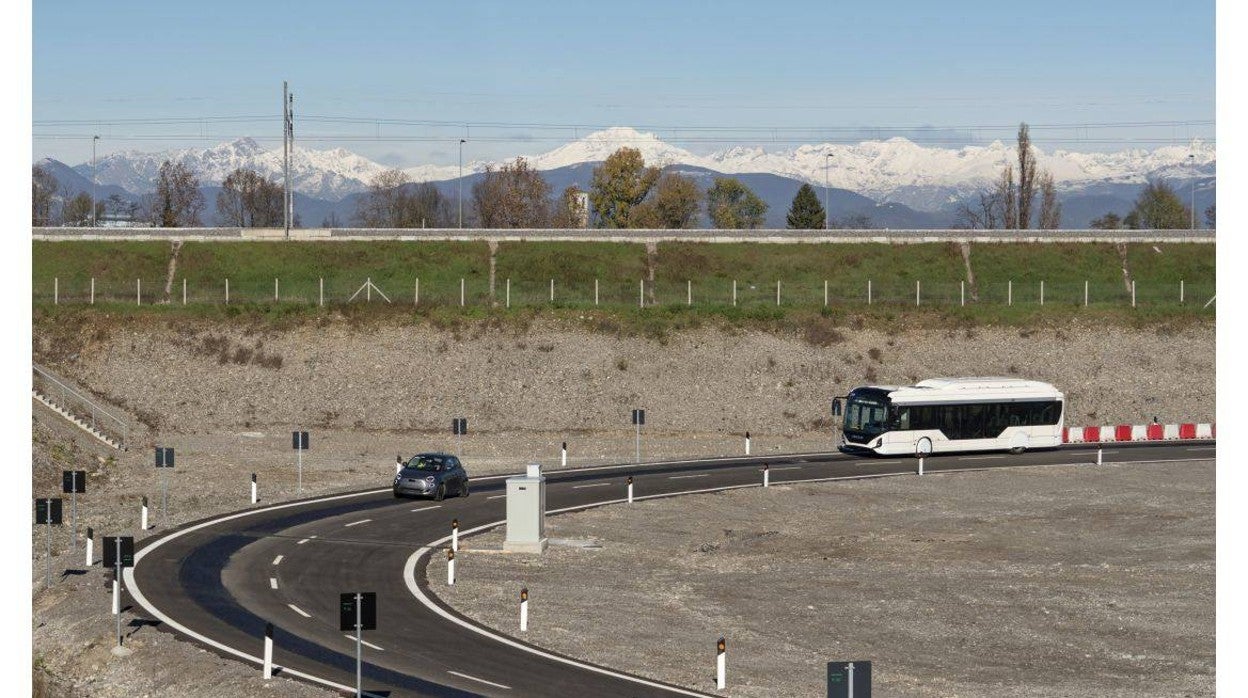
point(220, 581)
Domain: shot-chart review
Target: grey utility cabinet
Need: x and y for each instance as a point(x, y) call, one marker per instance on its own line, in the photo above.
point(526, 512)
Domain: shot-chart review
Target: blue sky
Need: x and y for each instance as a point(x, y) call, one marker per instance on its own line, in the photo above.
point(706, 75)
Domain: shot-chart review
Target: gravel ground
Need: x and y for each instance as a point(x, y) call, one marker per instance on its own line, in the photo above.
point(1048, 581)
point(227, 398)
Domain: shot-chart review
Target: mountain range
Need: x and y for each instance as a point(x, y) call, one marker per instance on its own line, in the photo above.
point(896, 182)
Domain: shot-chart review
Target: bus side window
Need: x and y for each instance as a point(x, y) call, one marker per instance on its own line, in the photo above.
point(903, 418)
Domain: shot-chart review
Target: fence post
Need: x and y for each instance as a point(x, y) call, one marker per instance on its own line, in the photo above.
point(1085, 293)
point(276, 295)
point(552, 290)
point(777, 292)
point(868, 291)
point(417, 300)
point(227, 291)
point(1042, 293)
point(1132, 293)
point(508, 301)
point(595, 291)
point(964, 292)
point(93, 290)
point(138, 292)
point(1180, 291)
point(183, 290)
point(641, 294)
point(734, 293)
point(461, 291)
point(56, 291)
point(689, 292)
point(1009, 292)
point(321, 291)
point(825, 293)
point(917, 293)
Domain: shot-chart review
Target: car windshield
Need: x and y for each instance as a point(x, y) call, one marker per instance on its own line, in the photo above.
point(432, 463)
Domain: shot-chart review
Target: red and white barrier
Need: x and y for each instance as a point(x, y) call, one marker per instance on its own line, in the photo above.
point(1138, 432)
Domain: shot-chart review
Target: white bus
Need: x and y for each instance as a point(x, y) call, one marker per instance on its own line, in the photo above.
point(943, 415)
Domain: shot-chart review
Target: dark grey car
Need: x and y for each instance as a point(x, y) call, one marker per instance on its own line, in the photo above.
point(431, 475)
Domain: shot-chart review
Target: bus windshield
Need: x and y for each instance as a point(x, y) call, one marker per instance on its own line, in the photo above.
point(866, 415)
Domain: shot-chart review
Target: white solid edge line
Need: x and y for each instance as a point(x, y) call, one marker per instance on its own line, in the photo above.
point(435, 506)
point(496, 496)
point(686, 477)
point(787, 467)
point(272, 582)
point(139, 598)
point(366, 643)
point(596, 484)
point(409, 568)
point(473, 678)
point(278, 560)
point(356, 523)
point(298, 610)
point(980, 457)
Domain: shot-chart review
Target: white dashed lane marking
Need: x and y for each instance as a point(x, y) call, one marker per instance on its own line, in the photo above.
point(366, 643)
point(596, 484)
point(356, 523)
point(473, 678)
point(278, 560)
point(788, 467)
point(685, 477)
point(272, 582)
point(298, 610)
point(496, 496)
point(435, 506)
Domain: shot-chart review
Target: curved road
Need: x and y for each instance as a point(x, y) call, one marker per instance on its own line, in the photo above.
point(219, 581)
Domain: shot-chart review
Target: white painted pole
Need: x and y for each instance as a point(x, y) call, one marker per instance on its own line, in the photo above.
point(963, 283)
point(920, 465)
point(276, 295)
point(93, 290)
point(552, 290)
point(630, 490)
point(268, 651)
point(227, 291)
point(777, 292)
point(450, 568)
point(1098, 456)
point(461, 291)
point(254, 494)
point(917, 291)
point(455, 535)
point(299, 465)
point(734, 293)
point(689, 292)
point(90, 546)
point(138, 291)
point(563, 455)
point(56, 291)
point(595, 291)
point(721, 669)
point(1180, 291)
point(183, 291)
point(1041, 293)
point(508, 303)
point(321, 292)
point(641, 294)
point(524, 610)
point(868, 291)
point(1132, 293)
point(850, 678)
point(747, 443)
point(417, 301)
point(1010, 292)
point(825, 293)
point(766, 475)
point(143, 516)
point(116, 594)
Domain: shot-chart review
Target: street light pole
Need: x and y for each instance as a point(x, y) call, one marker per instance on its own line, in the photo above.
point(827, 161)
point(94, 222)
point(1191, 159)
point(461, 182)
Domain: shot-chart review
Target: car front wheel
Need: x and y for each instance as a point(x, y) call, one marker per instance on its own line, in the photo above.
point(440, 494)
point(464, 490)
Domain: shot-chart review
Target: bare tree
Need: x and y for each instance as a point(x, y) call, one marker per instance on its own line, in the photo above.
point(248, 200)
point(1050, 207)
point(177, 202)
point(1007, 194)
point(1026, 176)
point(514, 196)
point(392, 201)
point(986, 214)
point(43, 194)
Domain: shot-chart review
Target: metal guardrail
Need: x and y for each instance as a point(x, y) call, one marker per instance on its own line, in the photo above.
point(631, 235)
point(101, 419)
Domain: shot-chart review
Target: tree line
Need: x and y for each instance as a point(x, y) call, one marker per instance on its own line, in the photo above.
point(1009, 204)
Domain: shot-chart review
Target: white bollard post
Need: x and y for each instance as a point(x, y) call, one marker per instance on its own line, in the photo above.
point(276, 295)
point(524, 610)
point(641, 293)
point(455, 535)
point(766, 475)
point(268, 651)
point(90, 546)
point(721, 668)
point(920, 465)
point(254, 497)
point(116, 595)
point(630, 489)
point(450, 568)
point(138, 291)
point(143, 516)
point(917, 294)
point(747, 443)
point(1098, 456)
point(563, 455)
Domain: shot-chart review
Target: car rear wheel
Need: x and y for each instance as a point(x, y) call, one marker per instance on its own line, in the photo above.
point(440, 494)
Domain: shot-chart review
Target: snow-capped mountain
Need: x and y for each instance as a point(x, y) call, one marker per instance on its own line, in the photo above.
point(325, 174)
point(894, 170)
